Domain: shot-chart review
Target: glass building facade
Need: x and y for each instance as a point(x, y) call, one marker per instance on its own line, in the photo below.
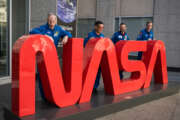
point(4, 39)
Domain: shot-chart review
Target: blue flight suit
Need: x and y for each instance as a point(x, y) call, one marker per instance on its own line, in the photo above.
point(144, 35)
point(56, 34)
point(117, 36)
point(94, 35)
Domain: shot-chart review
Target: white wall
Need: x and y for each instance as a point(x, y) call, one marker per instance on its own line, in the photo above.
point(86, 8)
point(167, 28)
point(134, 7)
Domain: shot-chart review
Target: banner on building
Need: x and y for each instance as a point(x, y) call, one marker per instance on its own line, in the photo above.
point(67, 12)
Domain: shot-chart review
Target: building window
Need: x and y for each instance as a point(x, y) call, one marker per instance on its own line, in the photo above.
point(4, 40)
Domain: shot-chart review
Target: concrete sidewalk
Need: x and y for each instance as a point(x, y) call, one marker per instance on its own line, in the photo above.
point(167, 108)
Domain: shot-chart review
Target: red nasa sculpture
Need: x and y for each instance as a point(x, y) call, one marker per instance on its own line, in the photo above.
point(75, 83)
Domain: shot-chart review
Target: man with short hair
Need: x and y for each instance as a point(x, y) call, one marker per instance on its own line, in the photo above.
point(96, 33)
point(53, 30)
point(145, 35)
point(120, 35)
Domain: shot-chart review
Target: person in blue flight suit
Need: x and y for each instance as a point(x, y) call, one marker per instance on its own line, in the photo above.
point(145, 35)
point(96, 33)
point(54, 31)
point(120, 35)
